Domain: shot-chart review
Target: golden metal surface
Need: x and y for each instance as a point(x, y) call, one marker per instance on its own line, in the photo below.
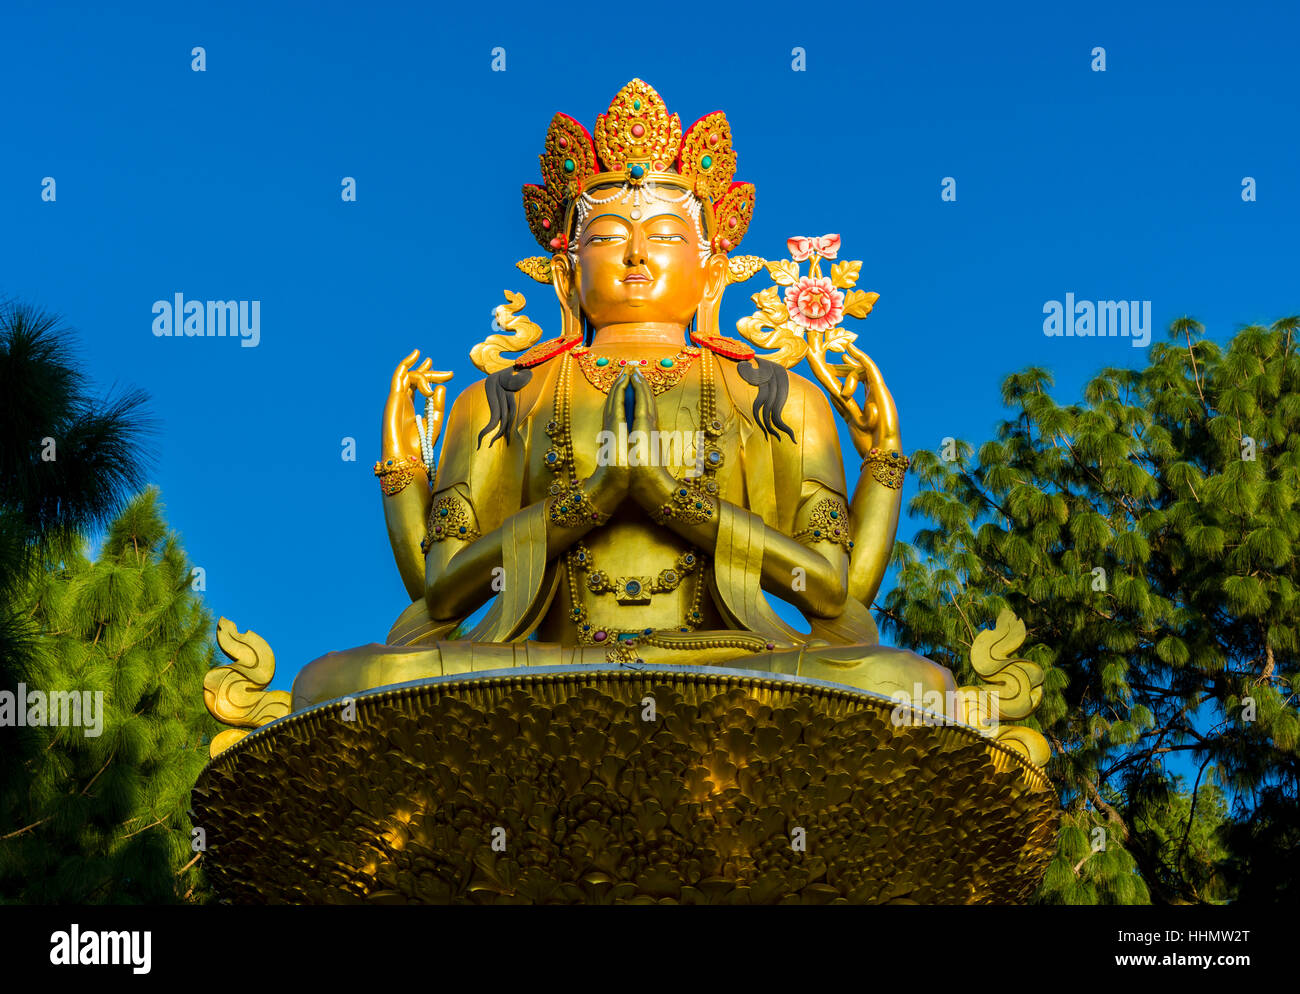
point(235, 693)
point(524, 333)
point(1010, 689)
point(554, 788)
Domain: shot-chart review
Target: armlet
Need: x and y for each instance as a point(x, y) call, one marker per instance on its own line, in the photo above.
point(828, 522)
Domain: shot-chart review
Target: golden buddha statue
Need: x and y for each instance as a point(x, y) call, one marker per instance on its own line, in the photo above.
point(626, 493)
point(589, 697)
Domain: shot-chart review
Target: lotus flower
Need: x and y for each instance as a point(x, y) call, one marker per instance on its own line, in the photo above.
point(814, 303)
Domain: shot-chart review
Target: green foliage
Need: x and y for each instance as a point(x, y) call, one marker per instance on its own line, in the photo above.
point(104, 818)
point(1146, 537)
point(67, 460)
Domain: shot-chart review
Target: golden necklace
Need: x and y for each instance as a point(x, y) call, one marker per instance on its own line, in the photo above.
point(661, 374)
point(630, 589)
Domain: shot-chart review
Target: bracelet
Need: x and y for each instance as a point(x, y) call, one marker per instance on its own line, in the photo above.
point(886, 467)
point(396, 474)
point(571, 508)
point(690, 503)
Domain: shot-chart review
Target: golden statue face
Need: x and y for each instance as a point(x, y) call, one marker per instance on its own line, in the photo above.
point(640, 269)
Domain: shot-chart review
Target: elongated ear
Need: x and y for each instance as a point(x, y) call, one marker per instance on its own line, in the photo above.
point(561, 277)
point(565, 281)
point(716, 280)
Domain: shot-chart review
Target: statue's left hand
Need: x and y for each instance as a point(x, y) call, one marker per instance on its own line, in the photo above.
point(649, 485)
point(874, 424)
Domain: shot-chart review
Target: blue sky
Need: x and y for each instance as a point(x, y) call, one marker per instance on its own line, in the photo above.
point(225, 184)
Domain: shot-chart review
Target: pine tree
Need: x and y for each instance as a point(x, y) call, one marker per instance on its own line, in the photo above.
point(68, 460)
point(1146, 536)
point(104, 818)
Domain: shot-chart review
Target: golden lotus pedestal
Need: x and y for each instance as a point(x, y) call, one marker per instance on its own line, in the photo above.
point(667, 785)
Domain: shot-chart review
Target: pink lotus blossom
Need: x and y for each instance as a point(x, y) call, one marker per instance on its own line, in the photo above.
point(802, 247)
point(814, 303)
point(828, 246)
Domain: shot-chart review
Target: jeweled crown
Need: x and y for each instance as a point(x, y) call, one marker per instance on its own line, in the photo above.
point(638, 142)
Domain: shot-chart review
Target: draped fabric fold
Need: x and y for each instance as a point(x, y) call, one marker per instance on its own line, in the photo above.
point(518, 609)
point(738, 571)
point(853, 626)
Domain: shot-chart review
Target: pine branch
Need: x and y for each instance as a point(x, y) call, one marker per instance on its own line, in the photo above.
point(96, 776)
point(26, 828)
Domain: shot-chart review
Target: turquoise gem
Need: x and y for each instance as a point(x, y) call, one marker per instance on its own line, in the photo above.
point(636, 104)
point(637, 171)
point(568, 165)
point(443, 512)
point(835, 514)
point(706, 161)
point(603, 361)
point(666, 363)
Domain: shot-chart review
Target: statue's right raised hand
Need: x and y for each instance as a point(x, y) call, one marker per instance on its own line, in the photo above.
point(401, 436)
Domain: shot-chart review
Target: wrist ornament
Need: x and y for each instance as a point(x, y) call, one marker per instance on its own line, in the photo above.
point(395, 475)
point(570, 507)
point(887, 467)
point(690, 502)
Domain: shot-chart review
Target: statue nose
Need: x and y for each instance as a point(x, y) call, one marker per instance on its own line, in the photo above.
point(635, 255)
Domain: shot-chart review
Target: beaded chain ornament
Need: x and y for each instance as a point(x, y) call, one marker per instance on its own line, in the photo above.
point(629, 590)
point(697, 502)
point(570, 507)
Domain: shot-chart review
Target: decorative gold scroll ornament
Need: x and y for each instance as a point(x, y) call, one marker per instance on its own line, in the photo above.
point(236, 693)
point(1010, 688)
point(524, 333)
